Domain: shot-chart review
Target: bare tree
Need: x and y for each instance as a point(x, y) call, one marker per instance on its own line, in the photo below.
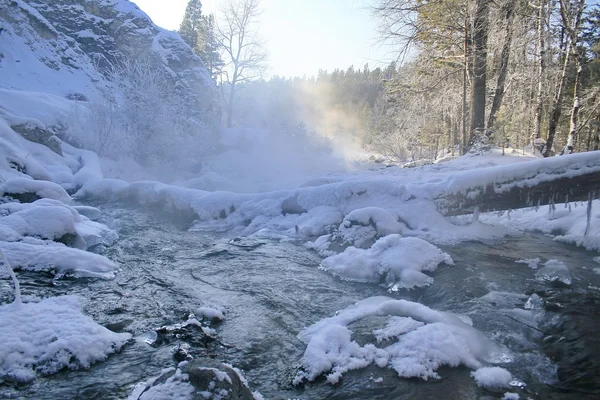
point(572, 29)
point(244, 53)
point(478, 84)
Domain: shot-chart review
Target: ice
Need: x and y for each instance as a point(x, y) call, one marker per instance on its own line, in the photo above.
point(492, 377)
point(45, 337)
point(532, 263)
point(555, 272)
point(510, 396)
point(534, 302)
point(396, 326)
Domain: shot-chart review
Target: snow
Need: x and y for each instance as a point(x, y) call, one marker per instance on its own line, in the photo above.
point(59, 259)
point(210, 313)
point(45, 337)
point(492, 377)
point(49, 190)
point(393, 259)
point(426, 339)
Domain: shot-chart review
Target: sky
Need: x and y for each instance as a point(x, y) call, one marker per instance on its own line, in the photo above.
point(302, 36)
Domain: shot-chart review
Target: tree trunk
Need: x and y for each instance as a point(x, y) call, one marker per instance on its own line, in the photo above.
point(478, 93)
point(570, 24)
point(573, 34)
point(467, 45)
point(539, 103)
point(572, 139)
point(503, 69)
point(596, 134)
point(557, 104)
point(230, 105)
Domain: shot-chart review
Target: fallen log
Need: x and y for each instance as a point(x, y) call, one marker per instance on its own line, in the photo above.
point(529, 184)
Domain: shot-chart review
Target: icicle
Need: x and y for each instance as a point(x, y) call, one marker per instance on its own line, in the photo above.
point(567, 201)
point(508, 214)
point(537, 206)
point(14, 279)
point(589, 213)
point(551, 207)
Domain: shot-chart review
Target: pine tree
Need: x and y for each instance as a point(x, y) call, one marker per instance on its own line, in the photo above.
point(191, 28)
point(210, 52)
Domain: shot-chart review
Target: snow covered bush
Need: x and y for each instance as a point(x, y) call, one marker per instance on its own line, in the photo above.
point(142, 114)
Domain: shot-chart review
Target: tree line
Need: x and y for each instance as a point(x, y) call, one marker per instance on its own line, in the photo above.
point(470, 73)
point(502, 71)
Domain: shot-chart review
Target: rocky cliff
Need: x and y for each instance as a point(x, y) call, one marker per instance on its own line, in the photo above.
point(74, 49)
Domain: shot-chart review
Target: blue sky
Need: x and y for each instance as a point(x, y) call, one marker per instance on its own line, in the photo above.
point(302, 35)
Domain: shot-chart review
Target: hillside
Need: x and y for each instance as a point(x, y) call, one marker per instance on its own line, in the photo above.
point(100, 75)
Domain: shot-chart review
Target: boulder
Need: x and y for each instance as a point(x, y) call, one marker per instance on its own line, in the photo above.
point(39, 135)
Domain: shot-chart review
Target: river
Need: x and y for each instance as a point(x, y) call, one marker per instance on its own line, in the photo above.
point(271, 289)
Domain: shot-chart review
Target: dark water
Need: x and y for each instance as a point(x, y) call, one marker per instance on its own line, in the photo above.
point(272, 289)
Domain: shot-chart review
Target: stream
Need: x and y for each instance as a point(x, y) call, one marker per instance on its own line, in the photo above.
point(270, 289)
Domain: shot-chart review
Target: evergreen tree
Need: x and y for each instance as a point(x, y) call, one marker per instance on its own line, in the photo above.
point(210, 54)
point(191, 28)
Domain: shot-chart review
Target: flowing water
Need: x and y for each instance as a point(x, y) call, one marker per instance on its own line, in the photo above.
point(271, 289)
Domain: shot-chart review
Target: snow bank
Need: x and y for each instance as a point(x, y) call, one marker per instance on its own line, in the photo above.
point(425, 340)
point(48, 336)
point(395, 260)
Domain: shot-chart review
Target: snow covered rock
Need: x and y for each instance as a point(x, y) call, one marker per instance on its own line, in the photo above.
point(20, 188)
point(45, 337)
point(39, 135)
point(395, 260)
point(197, 380)
point(58, 259)
point(422, 340)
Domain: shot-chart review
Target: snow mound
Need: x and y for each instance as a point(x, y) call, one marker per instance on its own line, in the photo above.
point(425, 340)
point(48, 336)
point(492, 377)
point(396, 260)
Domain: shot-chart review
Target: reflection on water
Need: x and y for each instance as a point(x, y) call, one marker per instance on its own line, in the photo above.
point(270, 290)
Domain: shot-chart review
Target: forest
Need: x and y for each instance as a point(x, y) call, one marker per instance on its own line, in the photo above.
point(511, 73)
